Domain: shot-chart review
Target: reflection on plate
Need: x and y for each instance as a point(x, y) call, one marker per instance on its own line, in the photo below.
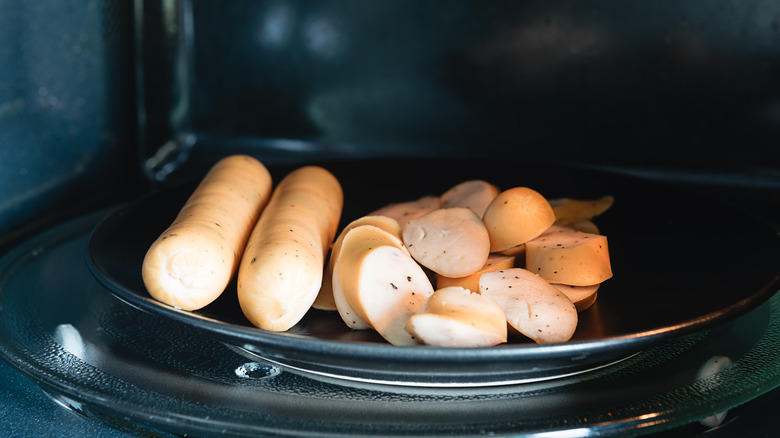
point(677, 256)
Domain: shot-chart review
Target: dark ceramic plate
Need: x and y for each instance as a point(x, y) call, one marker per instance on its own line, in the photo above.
point(682, 262)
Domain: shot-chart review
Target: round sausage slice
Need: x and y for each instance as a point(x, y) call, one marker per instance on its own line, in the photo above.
point(404, 212)
point(516, 216)
point(455, 317)
point(452, 242)
point(574, 258)
point(325, 300)
point(582, 296)
point(384, 286)
point(471, 282)
point(532, 305)
point(355, 242)
point(475, 194)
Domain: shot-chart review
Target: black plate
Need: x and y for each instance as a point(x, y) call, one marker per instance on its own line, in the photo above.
point(682, 262)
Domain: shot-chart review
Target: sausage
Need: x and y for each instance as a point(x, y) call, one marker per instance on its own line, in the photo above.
point(532, 306)
point(404, 212)
point(449, 241)
point(455, 317)
point(471, 282)
point(353, 240)
point(569, 257)
point(516, 216)
point(325, 300)
point(281, 271)
point(383, 284)
point(193, 260)
point(475, 194)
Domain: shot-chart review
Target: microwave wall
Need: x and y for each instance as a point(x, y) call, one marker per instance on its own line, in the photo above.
point(100, 94)
point(67, 123)
point(667, 83)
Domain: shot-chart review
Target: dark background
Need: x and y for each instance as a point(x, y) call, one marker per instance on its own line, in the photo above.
point(90, 91)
